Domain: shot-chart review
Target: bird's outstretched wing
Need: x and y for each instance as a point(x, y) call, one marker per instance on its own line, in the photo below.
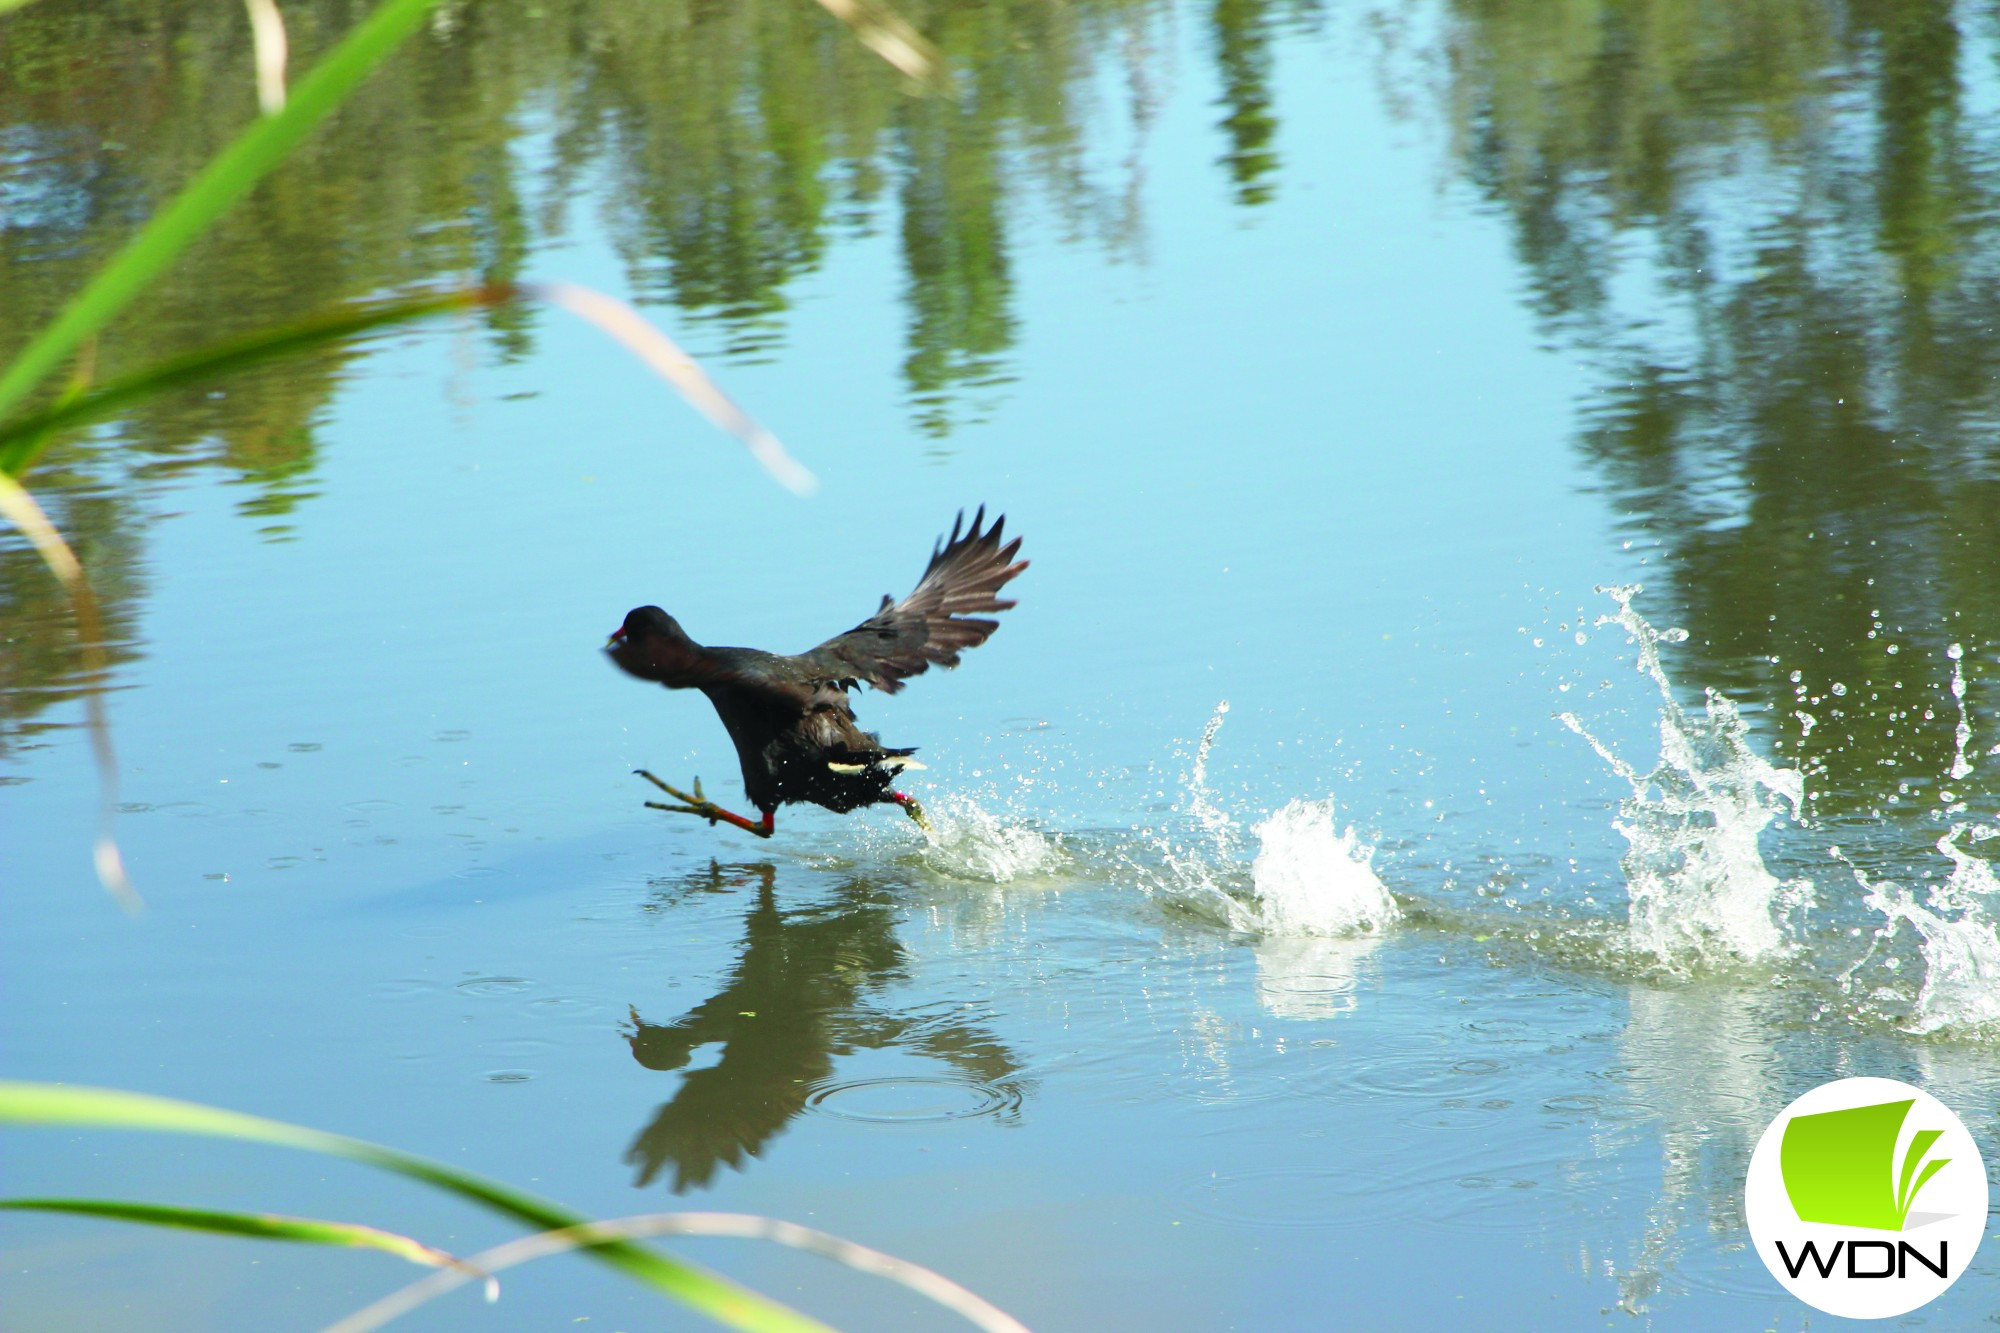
point(937, 621)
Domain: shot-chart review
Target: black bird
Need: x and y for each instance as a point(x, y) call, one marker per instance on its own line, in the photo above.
point(789, 716)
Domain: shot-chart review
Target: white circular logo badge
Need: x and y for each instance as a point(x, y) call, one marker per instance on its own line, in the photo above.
point(1866, 1198)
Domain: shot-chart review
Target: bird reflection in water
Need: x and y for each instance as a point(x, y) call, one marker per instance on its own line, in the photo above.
point(805, 990)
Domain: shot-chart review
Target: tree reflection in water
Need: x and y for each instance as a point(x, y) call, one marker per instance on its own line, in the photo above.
point(1771, 226)
point(806, 989)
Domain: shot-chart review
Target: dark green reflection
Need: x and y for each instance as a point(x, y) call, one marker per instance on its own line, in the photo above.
point(807, 987)
point(1243, 51)
point(1801, 404)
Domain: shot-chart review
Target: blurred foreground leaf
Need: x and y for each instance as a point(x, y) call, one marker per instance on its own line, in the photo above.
point(107, 1108)
point(257, 1226)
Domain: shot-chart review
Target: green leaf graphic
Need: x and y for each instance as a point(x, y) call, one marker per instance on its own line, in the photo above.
point(1928, 1172)
point(1839, 1166)
point(1906, 1192)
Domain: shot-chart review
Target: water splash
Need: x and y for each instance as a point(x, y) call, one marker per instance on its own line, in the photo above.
point(1700, 891)
point(1958, 923)
point(1198, 873)
point(1310, 880)
point(1955, 925)
point(1961, 990)
point(1215, 824)
point(966, 841)
point(1307, 878)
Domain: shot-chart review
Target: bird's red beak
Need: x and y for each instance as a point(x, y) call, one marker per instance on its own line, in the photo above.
point(616, 635)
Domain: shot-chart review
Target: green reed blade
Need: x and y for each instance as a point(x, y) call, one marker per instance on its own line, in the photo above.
point(258, 1226)
point(108, 1108)
point(218, 185)
point(23, 440)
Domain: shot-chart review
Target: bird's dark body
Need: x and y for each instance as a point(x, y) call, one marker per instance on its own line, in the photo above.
point(790, 717)
point(786, 741)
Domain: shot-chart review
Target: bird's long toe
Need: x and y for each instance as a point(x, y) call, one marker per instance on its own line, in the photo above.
point(702, 808)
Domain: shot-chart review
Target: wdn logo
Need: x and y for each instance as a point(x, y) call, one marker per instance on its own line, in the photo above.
point(1866, 1198)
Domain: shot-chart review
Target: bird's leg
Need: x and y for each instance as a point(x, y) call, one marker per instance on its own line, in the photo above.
point(701, 806)
point(912, 809)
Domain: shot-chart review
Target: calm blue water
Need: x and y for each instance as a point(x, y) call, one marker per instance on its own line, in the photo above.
point(1324, 459)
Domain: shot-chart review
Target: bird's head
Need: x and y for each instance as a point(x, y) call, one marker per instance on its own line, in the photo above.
point(649, 642)
point(646, 622)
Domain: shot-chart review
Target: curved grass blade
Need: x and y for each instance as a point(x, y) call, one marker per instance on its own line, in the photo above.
point(889, 35)
point(259, 1226)
point(978, 1311)
point(19, 508)
point(667, 360)
point(109, 1108)
point(267, 37)
point(220, 184)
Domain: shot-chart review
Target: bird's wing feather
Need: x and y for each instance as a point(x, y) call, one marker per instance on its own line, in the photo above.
point(940, 617)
